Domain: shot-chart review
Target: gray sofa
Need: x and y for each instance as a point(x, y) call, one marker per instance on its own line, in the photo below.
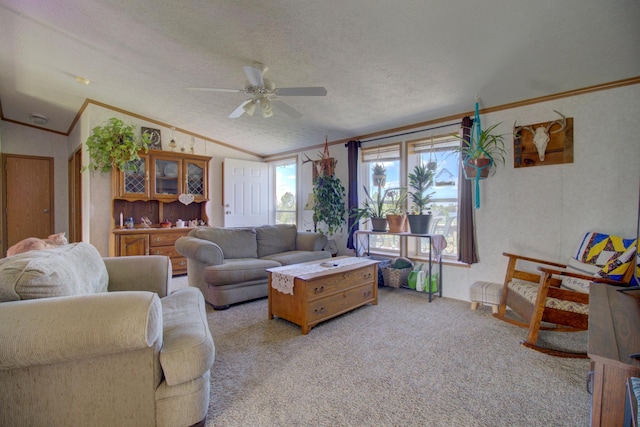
point(92, 341)
point(229, 264)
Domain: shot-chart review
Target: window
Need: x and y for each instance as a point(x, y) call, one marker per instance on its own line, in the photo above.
point(444, 205)
point(285, 192)
point(389, 157)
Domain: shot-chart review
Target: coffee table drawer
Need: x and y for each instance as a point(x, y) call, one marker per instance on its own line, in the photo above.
point(319, 288)
point(340, 302)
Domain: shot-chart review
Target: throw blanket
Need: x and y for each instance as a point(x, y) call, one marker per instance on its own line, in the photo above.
point(282, 278)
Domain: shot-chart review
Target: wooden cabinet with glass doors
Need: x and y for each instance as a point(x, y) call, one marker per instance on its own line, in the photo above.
point(154, 187)
point(163, 175)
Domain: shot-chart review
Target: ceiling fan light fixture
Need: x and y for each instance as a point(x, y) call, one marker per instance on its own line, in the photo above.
point(267, 110)
point(249, 107)
point(38, 119)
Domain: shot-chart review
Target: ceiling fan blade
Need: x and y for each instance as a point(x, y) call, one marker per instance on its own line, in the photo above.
point(254, 75)
point(239, 111)
point(287, 109)
point(214, 89)
point(302, 91)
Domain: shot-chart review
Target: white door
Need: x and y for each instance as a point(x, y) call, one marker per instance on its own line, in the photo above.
point(246, 193)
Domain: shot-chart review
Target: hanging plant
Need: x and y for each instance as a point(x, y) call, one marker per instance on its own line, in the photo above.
point(114, 145)
point(329, 194)
point(379, 175)
point(329, 209)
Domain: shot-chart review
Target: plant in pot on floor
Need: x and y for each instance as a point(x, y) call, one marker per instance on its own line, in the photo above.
point(115, 145)
point(420, 181)
point(482, 152)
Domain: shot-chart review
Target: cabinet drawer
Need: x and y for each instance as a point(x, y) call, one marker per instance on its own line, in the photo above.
point(169, 251)
point(318, 288)
point(179, 265)
point(166, 239)
point(340, 302)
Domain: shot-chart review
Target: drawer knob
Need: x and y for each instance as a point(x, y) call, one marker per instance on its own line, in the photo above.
point(158, 252)
point(319, 290)
point(181, 263)
point(320, 310)
point(157, 239)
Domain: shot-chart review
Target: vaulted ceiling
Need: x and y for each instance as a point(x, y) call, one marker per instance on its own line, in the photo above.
point(384, 64)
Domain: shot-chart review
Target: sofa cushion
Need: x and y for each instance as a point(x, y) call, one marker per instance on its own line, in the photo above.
point(234, 242)
point(75, 269)
point(188, 350)
point(238, 270)
point(296, 257)
point(273, 239)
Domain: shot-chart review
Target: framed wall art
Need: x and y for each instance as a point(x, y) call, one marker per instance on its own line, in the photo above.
point(154, 135)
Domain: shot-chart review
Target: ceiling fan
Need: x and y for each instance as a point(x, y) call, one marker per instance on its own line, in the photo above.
point(264, 93)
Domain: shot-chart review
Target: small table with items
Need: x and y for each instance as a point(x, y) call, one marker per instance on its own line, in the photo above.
point(437, 243)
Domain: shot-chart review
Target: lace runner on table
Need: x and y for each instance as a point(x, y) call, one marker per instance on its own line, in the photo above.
point(283, 279)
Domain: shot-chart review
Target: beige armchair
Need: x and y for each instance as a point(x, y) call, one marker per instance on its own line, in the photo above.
point(100, 342)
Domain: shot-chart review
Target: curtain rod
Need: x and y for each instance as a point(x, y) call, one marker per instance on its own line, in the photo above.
point(409, 133)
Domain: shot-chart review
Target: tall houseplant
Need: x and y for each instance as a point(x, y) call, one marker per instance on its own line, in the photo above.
point(420, 181)
point(114, 145)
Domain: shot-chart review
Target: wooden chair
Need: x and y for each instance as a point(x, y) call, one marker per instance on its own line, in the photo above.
point(537, 296)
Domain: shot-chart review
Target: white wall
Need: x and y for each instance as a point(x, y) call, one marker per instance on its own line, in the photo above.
point(29, 141)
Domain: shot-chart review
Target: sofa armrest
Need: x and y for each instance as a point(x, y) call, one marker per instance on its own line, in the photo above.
point(308, 241)
point(201, 250)
point(151, 273)
point(53, 330)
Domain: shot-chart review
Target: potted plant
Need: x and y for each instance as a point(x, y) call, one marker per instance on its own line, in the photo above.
point(396, 216)
point(375, 208)
point(379, 175)
point(329, 195)
point(421, 181)
point(115, 145)
point(482, 153)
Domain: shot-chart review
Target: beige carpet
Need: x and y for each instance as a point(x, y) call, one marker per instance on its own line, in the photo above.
point(404, 362)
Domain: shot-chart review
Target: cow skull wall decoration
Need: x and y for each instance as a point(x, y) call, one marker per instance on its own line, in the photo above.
point(541, 133)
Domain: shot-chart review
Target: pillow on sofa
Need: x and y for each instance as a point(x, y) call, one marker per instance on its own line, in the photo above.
point(275, 239)
point(234, 242)
point(75, 269)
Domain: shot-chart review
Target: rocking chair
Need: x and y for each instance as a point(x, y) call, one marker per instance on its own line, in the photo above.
point(557, 294)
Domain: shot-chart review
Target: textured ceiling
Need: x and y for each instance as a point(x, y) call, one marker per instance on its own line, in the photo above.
point(384, 63)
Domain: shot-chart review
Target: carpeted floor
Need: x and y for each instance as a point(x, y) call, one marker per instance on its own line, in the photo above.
point(404, 362)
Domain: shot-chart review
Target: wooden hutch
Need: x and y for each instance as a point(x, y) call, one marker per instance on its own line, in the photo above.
point(162, 185)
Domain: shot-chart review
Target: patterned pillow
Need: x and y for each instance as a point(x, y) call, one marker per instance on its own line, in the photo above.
point(617, 266)
point(599, 248)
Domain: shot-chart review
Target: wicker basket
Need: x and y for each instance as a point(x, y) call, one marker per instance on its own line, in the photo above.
point(396, 277)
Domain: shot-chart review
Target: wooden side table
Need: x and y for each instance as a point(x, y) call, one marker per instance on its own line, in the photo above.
point(614, 336)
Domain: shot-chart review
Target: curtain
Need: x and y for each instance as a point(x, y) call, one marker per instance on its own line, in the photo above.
point(352, 192)
point(466, 237)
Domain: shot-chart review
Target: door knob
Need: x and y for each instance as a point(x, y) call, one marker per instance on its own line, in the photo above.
point(46, 210)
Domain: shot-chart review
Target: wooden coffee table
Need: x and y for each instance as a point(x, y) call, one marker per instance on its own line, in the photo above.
point(319, 295)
